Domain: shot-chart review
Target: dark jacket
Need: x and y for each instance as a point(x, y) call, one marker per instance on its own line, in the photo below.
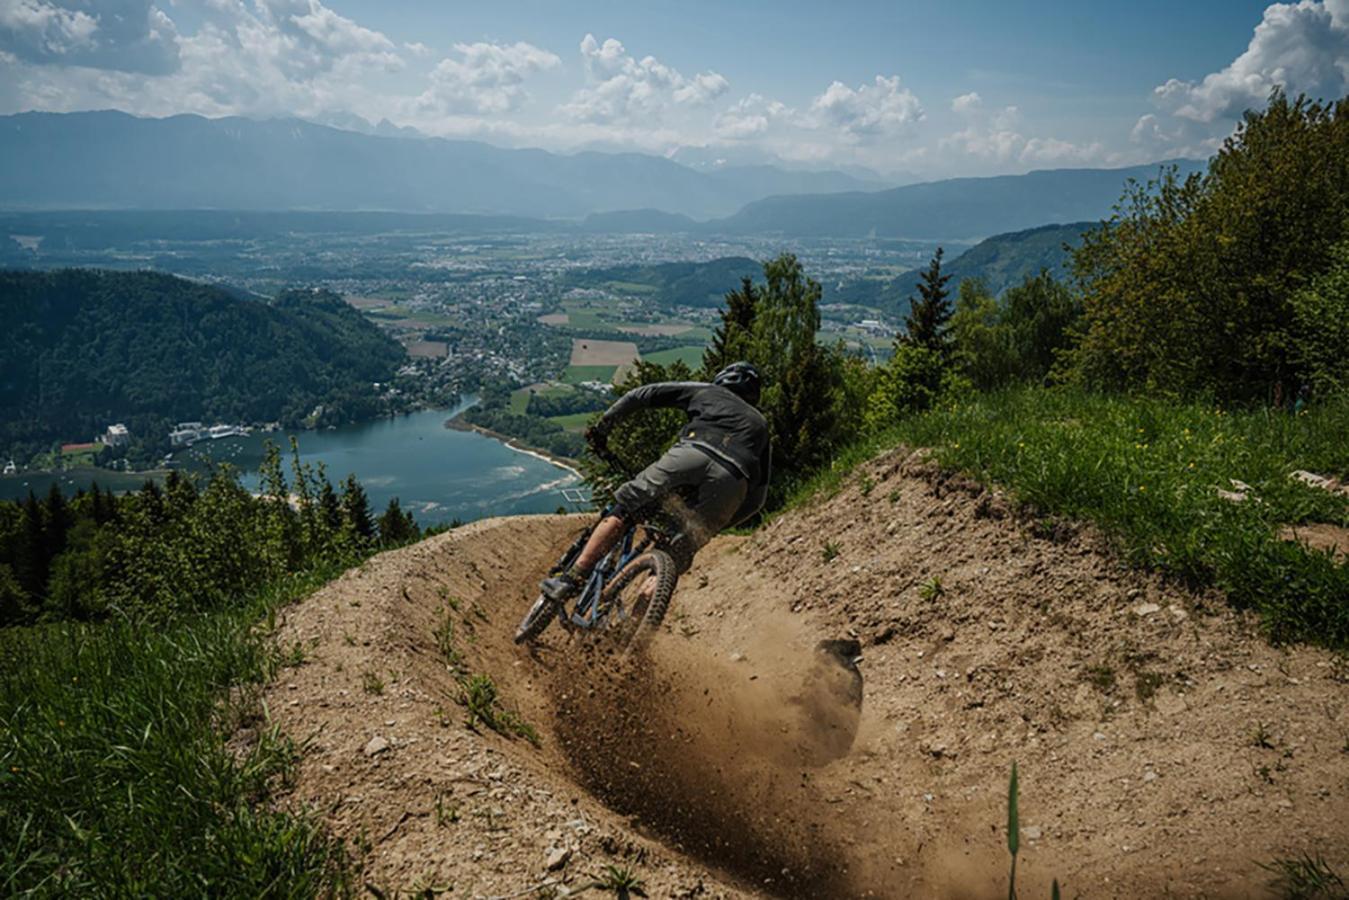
point(720, 423)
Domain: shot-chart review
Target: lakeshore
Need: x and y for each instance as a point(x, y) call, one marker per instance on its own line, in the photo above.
point(440, 474)
point(562, 462)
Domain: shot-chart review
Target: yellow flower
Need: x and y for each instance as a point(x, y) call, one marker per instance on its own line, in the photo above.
point(1143, 488)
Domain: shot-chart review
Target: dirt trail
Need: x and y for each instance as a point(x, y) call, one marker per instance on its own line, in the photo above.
point(1164, 748)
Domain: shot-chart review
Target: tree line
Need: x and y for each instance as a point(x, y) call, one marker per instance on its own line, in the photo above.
point(185, 546)
point(1232, 285)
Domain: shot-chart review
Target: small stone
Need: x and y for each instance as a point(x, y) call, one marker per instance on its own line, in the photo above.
point(1099, 736)
point(1032, 832)
point(376, 746)
point(1149, 776)
point(737, 657)
point(1146, 609)
point(557, 858)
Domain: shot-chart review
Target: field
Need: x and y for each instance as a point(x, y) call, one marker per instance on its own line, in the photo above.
point(690, 356)
point(574, 422)
point(579, 374)
point(555, 319)
point(668, 329)
point(429, 349)
point(520, 397)
point(587, 352)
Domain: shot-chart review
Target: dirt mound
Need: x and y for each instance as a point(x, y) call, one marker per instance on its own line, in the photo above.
point(1164, 748)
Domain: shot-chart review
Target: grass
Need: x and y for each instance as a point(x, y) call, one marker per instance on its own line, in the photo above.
point(1306, 878)
point(578, 374)
point(691, 356)
point(574, 422)
point(114, 768)
point(1147, 471)
point(519, 401)
point(484, 707)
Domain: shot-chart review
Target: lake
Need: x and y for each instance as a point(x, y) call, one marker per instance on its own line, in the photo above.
point(438, 473)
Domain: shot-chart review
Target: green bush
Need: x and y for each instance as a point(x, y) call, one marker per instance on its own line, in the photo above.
point(1189, 288)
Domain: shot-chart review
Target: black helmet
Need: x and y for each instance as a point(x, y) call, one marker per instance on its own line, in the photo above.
point(742, 379)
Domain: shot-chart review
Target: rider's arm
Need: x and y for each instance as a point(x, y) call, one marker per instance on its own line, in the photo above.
point(664, 394)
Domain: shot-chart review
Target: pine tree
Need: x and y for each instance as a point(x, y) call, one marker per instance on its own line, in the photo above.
point(930, 314)
point(31, 563)
point(730, 339)
point(330, 508)
point(59, 520)
point(396, 526)
point(801, 377)
point(356, 509)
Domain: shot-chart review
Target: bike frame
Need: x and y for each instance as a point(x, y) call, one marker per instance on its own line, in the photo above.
point(587, 611)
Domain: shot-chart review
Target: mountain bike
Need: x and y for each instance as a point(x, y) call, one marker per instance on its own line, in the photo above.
point(629, 591)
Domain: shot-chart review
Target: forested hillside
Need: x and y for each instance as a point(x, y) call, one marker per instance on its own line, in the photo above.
point(999, 262)
point(83, 349)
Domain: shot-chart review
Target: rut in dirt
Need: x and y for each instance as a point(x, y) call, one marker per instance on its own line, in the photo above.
point(722, 771)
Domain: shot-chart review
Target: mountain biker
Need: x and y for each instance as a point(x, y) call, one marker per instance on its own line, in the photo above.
point(723, 452)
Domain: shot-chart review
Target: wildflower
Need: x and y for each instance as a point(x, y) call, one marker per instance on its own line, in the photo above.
point(1142, 488)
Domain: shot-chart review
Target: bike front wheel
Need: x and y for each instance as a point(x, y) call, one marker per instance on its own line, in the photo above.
point(642, 591)
point(536, 620)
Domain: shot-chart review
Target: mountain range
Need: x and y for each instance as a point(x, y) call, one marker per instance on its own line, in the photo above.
point(111, 160)
point(953, 209)
point(108, 159)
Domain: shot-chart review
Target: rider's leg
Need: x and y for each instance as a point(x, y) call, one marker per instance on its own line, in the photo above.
point(679, 466)
point(602, 540)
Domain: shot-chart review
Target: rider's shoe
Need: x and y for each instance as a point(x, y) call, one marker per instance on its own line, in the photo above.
point(563, 587)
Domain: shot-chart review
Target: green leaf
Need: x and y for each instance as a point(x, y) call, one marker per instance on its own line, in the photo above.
point(1013, 829)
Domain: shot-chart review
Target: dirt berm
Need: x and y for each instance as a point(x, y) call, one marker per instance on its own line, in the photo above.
point(1164, 748)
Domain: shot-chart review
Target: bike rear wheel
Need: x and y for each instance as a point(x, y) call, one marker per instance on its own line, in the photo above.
point(644, 613)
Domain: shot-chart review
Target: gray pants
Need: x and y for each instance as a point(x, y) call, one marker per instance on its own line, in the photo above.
point(720, 492)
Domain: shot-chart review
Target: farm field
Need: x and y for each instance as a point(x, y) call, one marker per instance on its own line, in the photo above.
point(690, 356)
point(574, 422)
point(588, 352)
point(579, 374)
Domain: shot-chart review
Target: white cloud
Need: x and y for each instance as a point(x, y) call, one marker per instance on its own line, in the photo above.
point(125, 35)
point(879, 109)
point(486, 78)
point(1302, 47)
point(751, 117)
point(623, 88)
point(417, 48)
point(967, 103)
point(997, 136)
point(261, 58)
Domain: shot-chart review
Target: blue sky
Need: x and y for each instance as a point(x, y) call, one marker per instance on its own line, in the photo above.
point(921, 87)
